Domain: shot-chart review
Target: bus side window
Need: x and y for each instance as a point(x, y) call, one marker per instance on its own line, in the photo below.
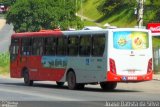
point(26, 46)
point(50, 45)
point(62, 45)
point(98, 45)
point(73, 45)
point(85, 45)
point(37, 46)
point(40, 46)
point(14, 48)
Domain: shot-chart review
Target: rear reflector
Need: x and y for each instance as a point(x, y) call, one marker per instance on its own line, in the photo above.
point(149, 69)
point(112, 65)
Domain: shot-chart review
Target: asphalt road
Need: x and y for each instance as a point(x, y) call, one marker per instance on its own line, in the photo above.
point(48, 94)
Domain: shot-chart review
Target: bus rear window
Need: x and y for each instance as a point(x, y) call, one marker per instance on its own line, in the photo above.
point(130, 40)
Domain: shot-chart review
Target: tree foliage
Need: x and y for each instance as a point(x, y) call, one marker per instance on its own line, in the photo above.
point(110, 6)
point(151, 11)
point(33, 15)
point(151, 8)
point(7, 2)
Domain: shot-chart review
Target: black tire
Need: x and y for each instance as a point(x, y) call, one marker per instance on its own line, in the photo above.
point(59, 84)
point(80, 86)
point(27, 80)
point(108, 86)
point(71, 80)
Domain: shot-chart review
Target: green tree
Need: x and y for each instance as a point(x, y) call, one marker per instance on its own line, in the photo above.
point(110, 6)
point(7, 2)
point(33, 15)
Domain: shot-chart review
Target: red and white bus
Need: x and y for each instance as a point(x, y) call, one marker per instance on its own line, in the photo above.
point(82, 57)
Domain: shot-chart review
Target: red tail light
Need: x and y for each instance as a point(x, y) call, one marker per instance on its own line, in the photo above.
point(112, 66)
point(149, 69)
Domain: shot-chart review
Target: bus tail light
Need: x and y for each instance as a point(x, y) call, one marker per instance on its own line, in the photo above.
point(149, 69)
point(112, 65)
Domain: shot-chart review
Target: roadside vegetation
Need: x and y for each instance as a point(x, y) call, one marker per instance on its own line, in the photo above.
point(4, 63)
point(35, 15)
point(50, 14)
point(1, 15)
point(120, 13)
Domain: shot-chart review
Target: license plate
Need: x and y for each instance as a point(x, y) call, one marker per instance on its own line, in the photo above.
point(131, 78)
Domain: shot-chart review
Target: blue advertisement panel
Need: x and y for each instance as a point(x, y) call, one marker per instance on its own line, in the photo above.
point(54, 62)
point(129, 40)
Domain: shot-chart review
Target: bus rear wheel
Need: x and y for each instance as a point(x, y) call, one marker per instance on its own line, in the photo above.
point(71, 80)
point(27, 80)
point(108, 85)
point(59, 84)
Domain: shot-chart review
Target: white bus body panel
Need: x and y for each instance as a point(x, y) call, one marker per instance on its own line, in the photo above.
point(95, 69)
point(130, 62)
point(88, 69)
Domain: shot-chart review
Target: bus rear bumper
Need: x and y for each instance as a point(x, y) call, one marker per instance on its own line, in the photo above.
point(125, 78)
